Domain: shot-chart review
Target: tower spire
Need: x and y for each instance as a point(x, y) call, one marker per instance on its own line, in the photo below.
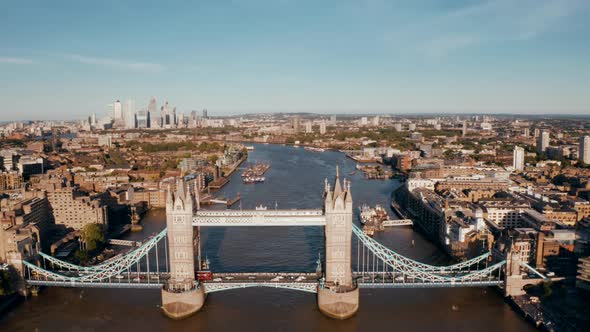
point(337, 187)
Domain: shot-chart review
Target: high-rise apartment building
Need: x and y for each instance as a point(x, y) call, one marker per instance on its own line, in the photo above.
point(323, 127)
point(543, 141)
point(518, 158)
point(308, 127)
point(584, 149)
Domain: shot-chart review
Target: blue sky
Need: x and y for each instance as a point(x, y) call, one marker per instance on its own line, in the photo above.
point(66, 59)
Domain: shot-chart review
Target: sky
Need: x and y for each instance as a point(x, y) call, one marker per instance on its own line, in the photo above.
point(66, 59)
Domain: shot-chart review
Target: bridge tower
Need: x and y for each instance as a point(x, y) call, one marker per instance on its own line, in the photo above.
point(181, 295)
point(513, 280)
point(338, 296)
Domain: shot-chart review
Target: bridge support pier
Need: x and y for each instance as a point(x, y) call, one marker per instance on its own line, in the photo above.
point(179, 305)
point(338, 305)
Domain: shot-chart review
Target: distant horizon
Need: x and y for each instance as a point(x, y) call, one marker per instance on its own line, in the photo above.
point(68, 59)
point(348, 115)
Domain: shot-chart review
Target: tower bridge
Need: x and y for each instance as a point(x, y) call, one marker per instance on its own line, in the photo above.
point(166, 260)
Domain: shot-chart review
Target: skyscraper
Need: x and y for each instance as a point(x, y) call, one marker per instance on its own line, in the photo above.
point(93, 119)
point(143, 118)
point(308, 127)
point(117, 111)
point(153, 105)
point(543, 141)
point(153, 115)
point(518, 158)
point(584, 150)
point(129, 114)
point(205, 116)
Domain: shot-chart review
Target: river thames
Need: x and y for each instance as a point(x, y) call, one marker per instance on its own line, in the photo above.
point(295, 180)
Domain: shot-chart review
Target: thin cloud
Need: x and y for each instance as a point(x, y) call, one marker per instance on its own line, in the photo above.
point(441, 47)
point(485, 22)
point(16, 61)
point(116, 63)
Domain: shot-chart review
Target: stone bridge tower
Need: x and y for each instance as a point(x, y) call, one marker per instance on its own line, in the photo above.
point(339, 295)
point(182, 295)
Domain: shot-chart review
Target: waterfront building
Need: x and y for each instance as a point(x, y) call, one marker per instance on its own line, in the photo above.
point(308, 127)
point(584, 150)
point(73, 209)
point(154, 198)
point(518, 158)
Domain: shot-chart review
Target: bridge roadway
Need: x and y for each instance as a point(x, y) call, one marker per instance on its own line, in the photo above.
point(398, 222)
point(220, 281)
point(227, 281)
point(308, 217)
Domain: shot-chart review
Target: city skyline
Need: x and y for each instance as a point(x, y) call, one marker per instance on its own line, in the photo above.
point(528, 57)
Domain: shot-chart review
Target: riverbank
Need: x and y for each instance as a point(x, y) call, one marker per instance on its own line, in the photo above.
point(529, 310)
point(295, 181)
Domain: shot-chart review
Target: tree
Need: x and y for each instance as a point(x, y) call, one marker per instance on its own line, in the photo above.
point(213, 158)
point(93, 236)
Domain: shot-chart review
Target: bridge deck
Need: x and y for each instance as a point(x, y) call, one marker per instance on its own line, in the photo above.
point(398, 222)
point(310, 217)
